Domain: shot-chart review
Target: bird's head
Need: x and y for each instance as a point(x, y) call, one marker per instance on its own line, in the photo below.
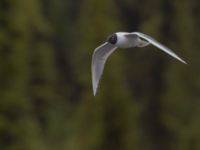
point(112, 39)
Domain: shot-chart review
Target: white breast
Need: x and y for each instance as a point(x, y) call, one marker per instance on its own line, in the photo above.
point(124, 41)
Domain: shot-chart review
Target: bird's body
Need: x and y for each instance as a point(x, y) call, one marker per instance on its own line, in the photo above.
point(121, 40)
point(125, 42)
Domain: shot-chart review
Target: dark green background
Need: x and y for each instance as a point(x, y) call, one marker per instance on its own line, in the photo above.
point(146, 101)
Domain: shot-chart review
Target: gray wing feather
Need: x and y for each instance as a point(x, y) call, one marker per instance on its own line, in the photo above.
point(99, 58)
point(158, 45)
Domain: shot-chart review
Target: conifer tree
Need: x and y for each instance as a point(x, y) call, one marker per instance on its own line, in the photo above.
point(26, 75)
point(181, 99)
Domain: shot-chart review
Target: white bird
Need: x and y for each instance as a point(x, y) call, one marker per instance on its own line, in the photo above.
point(121, 40)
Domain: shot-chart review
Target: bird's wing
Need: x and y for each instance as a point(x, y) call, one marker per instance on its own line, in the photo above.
point(158, 45)
point(99, 58)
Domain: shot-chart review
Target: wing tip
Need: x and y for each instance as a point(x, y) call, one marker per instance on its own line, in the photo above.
point(183, 61)
point(94, 87)
point(94, 91)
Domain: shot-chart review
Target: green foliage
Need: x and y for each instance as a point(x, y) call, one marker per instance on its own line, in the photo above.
point(146, 100)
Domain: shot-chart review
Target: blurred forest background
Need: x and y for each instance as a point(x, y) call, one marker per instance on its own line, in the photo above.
point(146, 100)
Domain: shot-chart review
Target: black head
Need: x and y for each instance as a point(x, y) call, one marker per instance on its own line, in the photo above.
point(112, 39)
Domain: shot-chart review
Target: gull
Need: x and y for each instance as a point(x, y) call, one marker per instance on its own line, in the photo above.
point(121, 40)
